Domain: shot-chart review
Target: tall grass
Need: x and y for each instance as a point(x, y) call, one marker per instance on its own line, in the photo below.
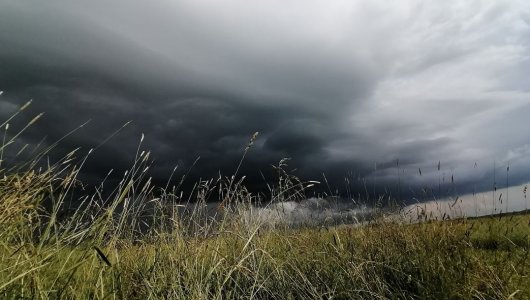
point(147, 242)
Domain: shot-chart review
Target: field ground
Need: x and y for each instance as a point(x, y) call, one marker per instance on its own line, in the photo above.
point(483, 258)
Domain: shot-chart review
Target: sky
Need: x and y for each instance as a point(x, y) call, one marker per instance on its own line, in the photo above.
point(373, 94)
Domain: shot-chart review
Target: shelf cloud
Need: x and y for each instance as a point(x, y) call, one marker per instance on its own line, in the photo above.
point(374, 90)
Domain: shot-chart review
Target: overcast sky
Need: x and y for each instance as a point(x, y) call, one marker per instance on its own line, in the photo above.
point(338, 86)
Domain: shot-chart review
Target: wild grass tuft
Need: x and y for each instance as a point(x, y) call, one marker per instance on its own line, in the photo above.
point(148, 242)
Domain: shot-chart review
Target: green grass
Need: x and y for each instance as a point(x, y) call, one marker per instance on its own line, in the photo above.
point(137, 244)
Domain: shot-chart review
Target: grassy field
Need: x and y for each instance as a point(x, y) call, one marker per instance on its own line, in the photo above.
point(141, 243)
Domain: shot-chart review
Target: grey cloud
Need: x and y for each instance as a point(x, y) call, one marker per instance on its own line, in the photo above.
point(195, 50)
point(337, 86)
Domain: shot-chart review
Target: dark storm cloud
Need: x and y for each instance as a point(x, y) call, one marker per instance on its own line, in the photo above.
point(340, 87)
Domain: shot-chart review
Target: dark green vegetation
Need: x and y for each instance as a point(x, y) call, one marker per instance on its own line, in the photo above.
point(138, 243)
